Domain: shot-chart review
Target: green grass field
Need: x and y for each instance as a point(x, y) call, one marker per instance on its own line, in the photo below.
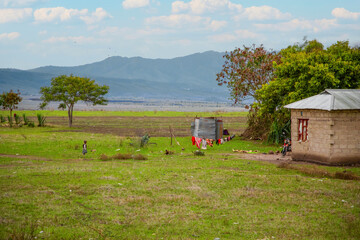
point(49, 190)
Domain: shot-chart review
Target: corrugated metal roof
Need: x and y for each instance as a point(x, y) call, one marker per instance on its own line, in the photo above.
point(330, 99)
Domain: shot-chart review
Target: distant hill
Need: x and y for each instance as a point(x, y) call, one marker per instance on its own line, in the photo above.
point(192, 77)
point(25, 81)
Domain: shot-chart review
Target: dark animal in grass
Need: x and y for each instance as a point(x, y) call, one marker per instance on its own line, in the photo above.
point(167, 152)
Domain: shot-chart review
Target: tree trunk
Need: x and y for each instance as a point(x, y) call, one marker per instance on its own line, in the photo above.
point(70, 114)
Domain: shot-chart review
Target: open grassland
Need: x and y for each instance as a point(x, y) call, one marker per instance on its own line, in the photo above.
point(50, 191)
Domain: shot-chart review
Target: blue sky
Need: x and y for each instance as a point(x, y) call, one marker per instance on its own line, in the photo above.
point(36, 33)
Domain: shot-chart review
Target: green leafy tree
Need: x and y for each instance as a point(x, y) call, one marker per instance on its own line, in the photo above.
point(10, 100)
point(68, 90)
point(246, 70)
point(305, 71)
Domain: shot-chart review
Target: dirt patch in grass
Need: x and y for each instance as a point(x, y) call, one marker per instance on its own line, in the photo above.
point(287, 161)
point(67, 130)
point(272, 158)
point(25, 157)
point(315, 171)
point(121, 156)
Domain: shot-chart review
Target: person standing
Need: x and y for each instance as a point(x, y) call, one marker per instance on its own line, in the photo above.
point(84, 151)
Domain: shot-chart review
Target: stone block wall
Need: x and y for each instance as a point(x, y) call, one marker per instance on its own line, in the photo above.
point(345, 147)
point(333, 136)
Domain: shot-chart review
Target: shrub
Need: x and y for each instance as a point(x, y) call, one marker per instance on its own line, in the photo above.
point(104, 157)
point(144, 140)
point(278, 132)
point(41, 120)
point(275, 133)
point(10, 121)
point(17, 119)
point(31, 124)
point(139, 157)
point(346, 175)
point(26, 120)
point(122, 156)
point(199, 153)
point(2, 119)
point(257, 126)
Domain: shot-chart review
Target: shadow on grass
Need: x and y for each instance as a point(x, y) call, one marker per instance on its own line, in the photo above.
point(122, 156)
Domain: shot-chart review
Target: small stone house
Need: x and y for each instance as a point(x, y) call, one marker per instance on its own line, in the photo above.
point(326, 128)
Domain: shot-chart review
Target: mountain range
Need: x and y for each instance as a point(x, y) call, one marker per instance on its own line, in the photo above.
point(191, 77)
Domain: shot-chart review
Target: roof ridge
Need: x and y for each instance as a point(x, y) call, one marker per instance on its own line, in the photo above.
point(330, 99)
point(332, 103)
point(340, 90)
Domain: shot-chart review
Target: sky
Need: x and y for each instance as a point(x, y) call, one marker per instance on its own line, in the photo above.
point(36, 33)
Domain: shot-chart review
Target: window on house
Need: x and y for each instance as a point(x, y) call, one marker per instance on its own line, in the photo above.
point(303, 130)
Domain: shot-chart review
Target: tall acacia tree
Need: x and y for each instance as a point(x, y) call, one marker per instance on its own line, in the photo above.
point(68, 90)
point(10, 100)
point(247, 70)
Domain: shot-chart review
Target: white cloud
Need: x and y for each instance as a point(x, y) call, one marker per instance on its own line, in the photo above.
point(64, 14)
point(202, 6)
point(57, 13)
point(343, 13)
point(235, 6)
point(252, 13)
point(176, 20)
point(323, 24)
point(79, 39)
point(127, 4)
point(296, 24)
point(186, 21)
point(264, 13)
point(179, 6)
point(236, 36)
point(14, 15)
point(9, 36)
point(16, 3)
point(96, 16)
point(216, 25)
